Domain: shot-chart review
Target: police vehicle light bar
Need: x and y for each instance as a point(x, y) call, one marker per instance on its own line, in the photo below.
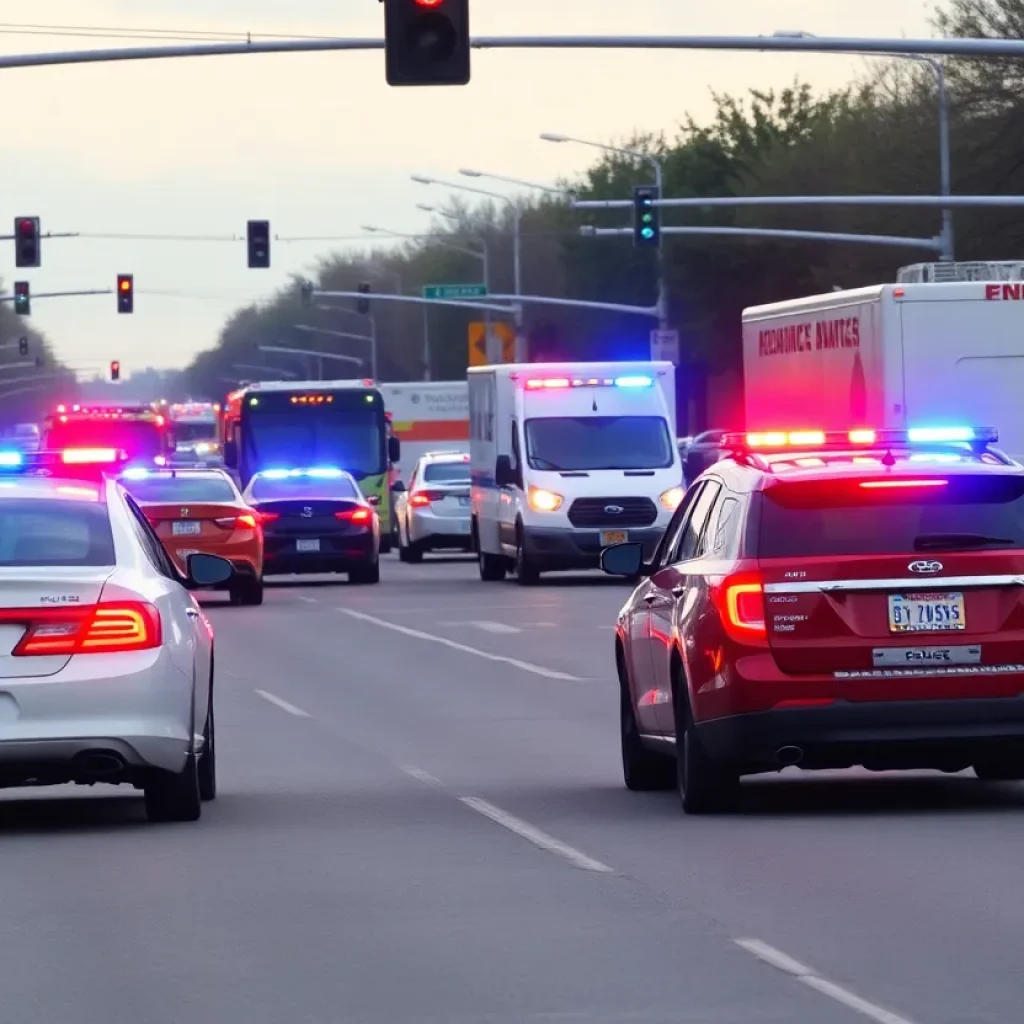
point(782, 440)
point(559, 383)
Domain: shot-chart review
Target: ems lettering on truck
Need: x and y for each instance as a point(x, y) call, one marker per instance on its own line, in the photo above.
point(810, 336)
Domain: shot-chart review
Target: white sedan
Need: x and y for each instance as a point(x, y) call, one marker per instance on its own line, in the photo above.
point(106, 660)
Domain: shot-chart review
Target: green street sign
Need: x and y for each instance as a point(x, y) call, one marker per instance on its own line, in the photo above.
point(454, 291)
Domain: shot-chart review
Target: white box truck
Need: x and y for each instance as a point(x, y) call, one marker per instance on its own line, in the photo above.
point(432, 416)
point(567, 459)
point(943, 346)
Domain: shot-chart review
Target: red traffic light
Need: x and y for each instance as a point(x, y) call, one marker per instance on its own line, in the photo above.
point(429, 3)
point(21, 287)
point(27, 226)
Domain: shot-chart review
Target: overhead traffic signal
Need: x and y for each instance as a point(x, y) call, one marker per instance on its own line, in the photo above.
point(23, 346)
point(426, 42)
point(125, 293)
point(22, 300)
point(258, 236)
point(26, 242)
point(115, 370)
point(646, 221)
point(363, 305)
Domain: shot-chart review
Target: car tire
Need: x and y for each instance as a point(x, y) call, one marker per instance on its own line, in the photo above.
point(208, 758)
point(250, 592)
point(413, 553)
point(174, 797)
point(492, 567)
point(365, 574)
point(643, 770)
point(385, 544)
point(527, 573)
point(705, 786)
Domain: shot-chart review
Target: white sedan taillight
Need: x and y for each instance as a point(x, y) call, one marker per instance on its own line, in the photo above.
point(98, 629)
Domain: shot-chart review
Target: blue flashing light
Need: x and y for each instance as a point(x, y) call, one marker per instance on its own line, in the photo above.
point(634, 382)
point(324, 472)
point(940, 434)
point(276, 474)
point(136, 473)
point(11, 460)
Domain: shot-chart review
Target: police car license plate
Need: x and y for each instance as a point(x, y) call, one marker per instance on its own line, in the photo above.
point(926, 613)
point(308, 545)
point(610, 537)
point(185, 529)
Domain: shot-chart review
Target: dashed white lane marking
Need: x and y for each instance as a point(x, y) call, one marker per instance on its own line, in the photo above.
point(495, 627)
point(422, 776)
point(307, 600)
point(283, 704)
point(525, 666)
point(785, 963)
point(526, 831)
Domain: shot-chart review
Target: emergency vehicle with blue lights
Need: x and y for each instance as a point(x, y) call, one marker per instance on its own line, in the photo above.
point(138, 430)
point(569, 458)
point(825, 600)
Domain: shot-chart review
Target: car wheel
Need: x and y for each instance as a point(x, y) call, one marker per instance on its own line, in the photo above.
point(527, 574)
point(413, 553)
point(365, 574)
point(643, 770)
point(492, 567)
point(385, 543)
point(208, 759)
point(705, 786)
point(251, 591)
point(174, 797)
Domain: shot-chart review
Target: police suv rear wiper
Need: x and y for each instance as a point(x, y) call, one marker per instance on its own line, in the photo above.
point(951, 541)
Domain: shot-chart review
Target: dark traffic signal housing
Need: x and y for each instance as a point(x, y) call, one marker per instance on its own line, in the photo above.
point(646, 220)
point(115, 370)
point(258, 237)
point(23, 346)
point(363, 305)
point(22, 299)
point(426, 42)
point(125, 293)
point(26, 242)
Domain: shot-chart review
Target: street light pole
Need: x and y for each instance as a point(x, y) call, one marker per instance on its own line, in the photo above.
point(517, 270)
point(659, 180)
point(945, 170)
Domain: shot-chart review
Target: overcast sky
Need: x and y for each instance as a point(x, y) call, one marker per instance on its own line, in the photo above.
point(319, 144)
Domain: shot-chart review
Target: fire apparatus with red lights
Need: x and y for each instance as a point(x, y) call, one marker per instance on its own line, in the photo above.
point(943, 342)
point(137, 430)
point(569, 458)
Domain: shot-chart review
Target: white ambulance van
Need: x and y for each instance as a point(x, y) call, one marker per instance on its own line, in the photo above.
point(567, 459)
point(943, 346)
point(427, 417)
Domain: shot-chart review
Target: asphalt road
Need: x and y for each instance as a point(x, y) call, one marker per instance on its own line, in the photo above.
point(421, 819)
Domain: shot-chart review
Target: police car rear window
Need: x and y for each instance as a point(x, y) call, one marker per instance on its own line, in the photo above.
point(44, 532)
point(807, 520)
point(268, 489)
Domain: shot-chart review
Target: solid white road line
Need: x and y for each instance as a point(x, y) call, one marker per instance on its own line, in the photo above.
point(781, 961)
point(283, 704)
point(525, 666)
point(526, 831)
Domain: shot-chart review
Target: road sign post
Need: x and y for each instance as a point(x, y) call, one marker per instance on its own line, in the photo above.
point(665, 347)
point(503, 333)
point(455, 291)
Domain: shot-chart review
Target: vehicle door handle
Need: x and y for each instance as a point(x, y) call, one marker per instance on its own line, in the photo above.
point(650, 598)
point(678, 590)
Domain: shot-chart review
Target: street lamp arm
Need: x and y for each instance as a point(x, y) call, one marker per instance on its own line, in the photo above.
point(522, 183)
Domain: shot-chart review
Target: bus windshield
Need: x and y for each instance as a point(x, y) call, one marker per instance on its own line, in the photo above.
point(348, 433)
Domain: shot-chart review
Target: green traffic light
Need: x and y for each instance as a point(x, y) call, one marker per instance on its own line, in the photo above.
point(647, 232)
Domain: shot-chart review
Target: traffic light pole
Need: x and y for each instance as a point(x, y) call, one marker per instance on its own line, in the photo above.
point(60, 295)
point(935, 243)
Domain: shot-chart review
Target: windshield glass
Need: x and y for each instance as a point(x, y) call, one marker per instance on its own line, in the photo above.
point(137, 438)
point(195, 431)
point(599, 442)
point(46, 532)
point(813, 520)
point(350, 438)
point(269, 489)
point(446, 473)
point(181, 488)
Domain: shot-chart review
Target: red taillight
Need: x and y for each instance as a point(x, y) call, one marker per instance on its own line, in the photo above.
point(422, 498)
point(355, 515)
point(246, 520)
point(740, 602)
point(100, 629)
point(888, 484)
point(268, 517)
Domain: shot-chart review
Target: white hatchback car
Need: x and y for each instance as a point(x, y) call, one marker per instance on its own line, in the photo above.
point(106, 660)
point(433, 514)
